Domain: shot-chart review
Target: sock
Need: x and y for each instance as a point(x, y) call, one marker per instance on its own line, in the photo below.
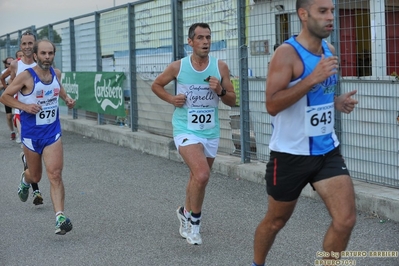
point(186, 213)
point(35, 186)
point(25, 183)
point(195, 217)
point(58, 214)
point(254, 264)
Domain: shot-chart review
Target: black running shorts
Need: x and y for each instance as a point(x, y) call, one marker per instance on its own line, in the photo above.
point(8, 109)
point(287, 174)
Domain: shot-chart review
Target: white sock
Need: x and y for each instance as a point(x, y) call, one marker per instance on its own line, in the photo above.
point(186, 213)
point(25, 183)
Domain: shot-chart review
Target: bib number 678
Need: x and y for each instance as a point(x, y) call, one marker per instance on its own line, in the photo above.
point(47, 114)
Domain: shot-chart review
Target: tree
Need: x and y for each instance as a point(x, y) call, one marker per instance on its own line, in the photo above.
point(3, 42)
point(43, 34)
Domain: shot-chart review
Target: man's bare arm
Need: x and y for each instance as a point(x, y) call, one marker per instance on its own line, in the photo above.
point(23, 80)
point(230, 97)
point(282, 71)
point(4, 76)
point(168, 75)
point(63, 95)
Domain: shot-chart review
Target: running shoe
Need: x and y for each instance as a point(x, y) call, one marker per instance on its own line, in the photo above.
point(194, 236)
point(12, 136)
point(23, 190)
point(184, 222)
point(18, 139)
point(37, 197)
point(63, 225)
point(22, 155)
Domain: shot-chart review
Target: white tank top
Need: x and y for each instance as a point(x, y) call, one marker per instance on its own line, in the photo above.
point(21, 68)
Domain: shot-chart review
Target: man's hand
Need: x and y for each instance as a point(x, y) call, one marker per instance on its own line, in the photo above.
point(179, 100)
point(324, 69)
point(345, 103)
point(69, 102)
point(32, 108)
point(214, 85)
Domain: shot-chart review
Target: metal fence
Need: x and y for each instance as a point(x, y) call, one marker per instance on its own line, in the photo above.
point(142, 38)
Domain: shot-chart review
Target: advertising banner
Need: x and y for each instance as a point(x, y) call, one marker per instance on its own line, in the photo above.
point(99, 92)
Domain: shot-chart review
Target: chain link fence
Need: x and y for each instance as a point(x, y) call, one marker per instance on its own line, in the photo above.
point(138, 40)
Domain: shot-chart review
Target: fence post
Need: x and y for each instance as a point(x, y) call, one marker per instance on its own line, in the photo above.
point(50, 33)
point(133, 70)
point(244, 90)
point(177, 31)
point(73, 55)
point(335, 42)
point(8, 44)
point(100, 117)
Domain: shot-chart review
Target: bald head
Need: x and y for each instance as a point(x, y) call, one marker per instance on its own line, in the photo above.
point(39, 43)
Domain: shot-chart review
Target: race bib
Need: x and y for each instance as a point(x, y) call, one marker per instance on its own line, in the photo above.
point(319, 120)
point(47, 116)
point(201, 119)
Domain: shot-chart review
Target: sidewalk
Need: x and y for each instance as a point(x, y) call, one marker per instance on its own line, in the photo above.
point(122, 203)
point(380, 201)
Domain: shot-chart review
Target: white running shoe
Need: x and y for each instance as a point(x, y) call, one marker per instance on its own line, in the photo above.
point(184, 223)
point(194, 236)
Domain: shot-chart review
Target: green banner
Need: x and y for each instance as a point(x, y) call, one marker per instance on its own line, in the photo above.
point(99, 92)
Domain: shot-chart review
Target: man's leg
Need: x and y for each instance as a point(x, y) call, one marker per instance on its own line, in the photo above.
point(339, 198)
point(53, 157)
point(10, 125)
point(53, 160)
point(277, 215)
point(37, 196)
point(199, 166)
point(32, 173)
point(9, 122)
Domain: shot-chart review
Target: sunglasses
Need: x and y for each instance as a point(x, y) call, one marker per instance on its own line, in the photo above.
point(27, 33)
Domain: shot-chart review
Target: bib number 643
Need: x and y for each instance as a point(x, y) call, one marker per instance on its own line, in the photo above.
point(326, 118)
point(319, 120)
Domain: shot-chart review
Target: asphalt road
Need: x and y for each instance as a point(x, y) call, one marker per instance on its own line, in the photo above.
point(122, 205)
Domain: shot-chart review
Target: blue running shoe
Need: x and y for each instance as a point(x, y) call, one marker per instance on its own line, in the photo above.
point(23, 190)
point(63, 225)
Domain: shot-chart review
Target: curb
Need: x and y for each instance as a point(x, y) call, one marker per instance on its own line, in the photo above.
point(381, 201)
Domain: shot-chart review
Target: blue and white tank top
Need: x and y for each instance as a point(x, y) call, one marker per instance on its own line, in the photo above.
point(46, 123)
point(307, 127)
point(199, 115)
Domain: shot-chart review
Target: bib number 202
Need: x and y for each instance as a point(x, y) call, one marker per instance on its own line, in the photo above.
point(201, 119)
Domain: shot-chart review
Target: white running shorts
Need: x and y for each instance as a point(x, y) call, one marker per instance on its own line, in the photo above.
point(210, 145)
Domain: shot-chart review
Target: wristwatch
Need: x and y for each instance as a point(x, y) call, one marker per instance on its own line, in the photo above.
point(223, 93)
